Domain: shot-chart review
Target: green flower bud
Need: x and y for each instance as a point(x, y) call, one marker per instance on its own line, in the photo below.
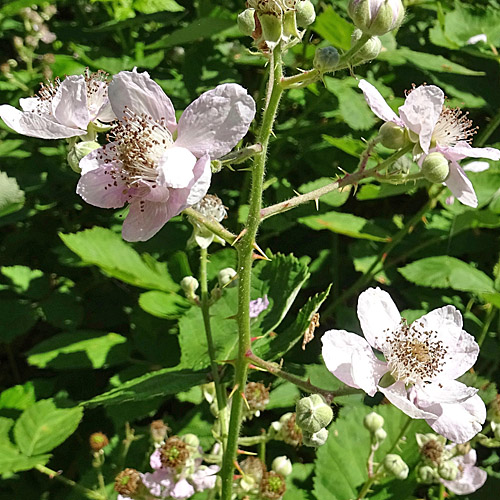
point(226, 277)
point(189, 285)
point(370, 50)
point(423, 439)
point(380, 435)
point(373, 421)
point(392, 136)
point(448, 470)
point(376, 17)
point(315, 439)
point(305, 13)
point(246, 21)
point(427, 474)
point(435, 167)
point(463, 449)
point(272, 28)
point(396, 466)
point(326, 59)
point(79, 151)
point(313, 413)
point(282, 465)
point(191, 440)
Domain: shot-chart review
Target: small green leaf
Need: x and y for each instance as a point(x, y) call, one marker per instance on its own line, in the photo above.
point(11, 460)
point(163, 305)
point(18, 397)
point(16, 318)
point(334, 28)
point(11, 195)
point(43, 427)
point(353, 147)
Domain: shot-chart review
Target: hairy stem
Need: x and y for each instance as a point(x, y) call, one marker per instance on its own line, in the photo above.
point(212, 224)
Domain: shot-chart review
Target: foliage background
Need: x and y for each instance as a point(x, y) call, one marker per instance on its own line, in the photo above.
point(82, 314)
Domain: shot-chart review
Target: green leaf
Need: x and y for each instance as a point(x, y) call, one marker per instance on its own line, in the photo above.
point(163, 305)
point(376, 191)
point(18, 397)
point(11, 460)
point(159, 383)
point(347, 144)
point(275, 347)
point(16, 318)
point(447, 272)
point(340, 475)
point(11, 195)
point(335, 198)
point(334, 28)
point(63, 310)
point(348, 224)
point(152, 6)
point(81, 349)
point(106, 249)
point(43, 427)
point(297, 483)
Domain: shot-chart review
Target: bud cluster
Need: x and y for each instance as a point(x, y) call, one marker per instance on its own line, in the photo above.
point(313, 415)
point(209, 206)
point(287, 430)
point(376, 17)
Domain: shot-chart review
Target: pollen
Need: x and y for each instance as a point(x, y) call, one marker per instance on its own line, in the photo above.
point(453, 126)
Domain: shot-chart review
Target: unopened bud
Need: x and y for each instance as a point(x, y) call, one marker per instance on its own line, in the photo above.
point(448, 470)
point(373, 421)
point(79, 151)
point(315, 439)
point(435, 167)
point(191, 440)
point(427, 474)
point(189, 285)
point(376, 17)
point(226, 277)
point(392, 136)
point(282, 465)
point(380, 435)
point(326, 59)
point(158, 430)
point(272, 486)
point(396, 466)
point(246, 21)
point(369, 51)
point(313, 413)
point(305, 13)
point(98, 441)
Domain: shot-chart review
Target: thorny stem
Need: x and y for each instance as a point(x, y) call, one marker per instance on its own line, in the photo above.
point(275, 369)
point(205, 309)
point(347, 180)
point(68, 482)
point(212, 224)
point(245, 250)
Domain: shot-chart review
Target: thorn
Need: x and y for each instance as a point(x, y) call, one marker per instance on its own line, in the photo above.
point(296, 192)
point(316, 202)
point(246, 401)
point(253, 339)
point(258, 368)
point(235, 388)
point(239, 237)
point(226, 362)
point(238, 468)
point(261, 252)
point(243, 452)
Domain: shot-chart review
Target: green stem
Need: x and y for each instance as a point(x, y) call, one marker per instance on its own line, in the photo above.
point(212, 224)
point(275, 369)
point(441, 491)
point(220, 391)
point(348, 179)
point(490, 316)
point(488, 131)
point(68, 482)
point(245, 251)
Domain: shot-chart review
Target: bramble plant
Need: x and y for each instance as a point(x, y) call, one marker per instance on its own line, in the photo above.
point(209, 383)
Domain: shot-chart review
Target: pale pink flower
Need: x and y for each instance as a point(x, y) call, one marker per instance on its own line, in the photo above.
point(155, 165)
point(470, 478)
point(423, 358)
point(258, 306)
point(62, 109)
point(435, 128)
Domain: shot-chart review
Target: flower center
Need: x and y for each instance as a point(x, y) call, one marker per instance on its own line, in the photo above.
point(414, 354)
point(453, 126)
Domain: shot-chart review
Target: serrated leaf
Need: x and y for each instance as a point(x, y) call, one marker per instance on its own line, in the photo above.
point(11, 195)
point(159, 383)
point(339, 475)
point(152, 6)
point(297, 483)
point(43, 427)
point(348, 224)
point(11, 460)
point(335, 198)
point(163, 305)
point(334, 28)
point(18, 397)
point(347, 144)
point(115, 257)
point(21, 276)
point(81, 349)
point(447, 272)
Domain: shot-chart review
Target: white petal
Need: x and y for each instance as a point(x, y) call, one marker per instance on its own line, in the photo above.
point(462, 356)
point(458, 422)
point(106, 113)
point(460, 185)
point(34, 125)
point(69, 105)
point(144, 220)
point(463, 150)
point(444, 391)
point(378, 315)
point(476, 166)
point(398, 395)
point(421, 111)
point(342, 350)
point(175, 168)
point(29, 103)
point(140, 94)
point(377, 103)
point(470, 479)
point(215, 122)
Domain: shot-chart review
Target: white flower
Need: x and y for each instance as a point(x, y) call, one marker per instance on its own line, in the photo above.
point(155, 165)
point(434, 127)
point(470, 478)
point(62, 109)
point(423, 358)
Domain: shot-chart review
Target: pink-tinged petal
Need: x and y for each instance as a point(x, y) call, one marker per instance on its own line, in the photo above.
point(100, 188)
point(215, 122)
point(463, 150)
point(139, 93)
point(343, 352)
point(476, 166)
point(202, 177)
point(470, 479)
point(460, 185)
point(377, 103)
point(445, 391)
point(34, 125)
point(421, 111)
point(97, 100)
point(398, 395)
point(458, 422)
point(106, 113)
point(144, 220)
point(69, 105)
point(175, 168)
point(182, 490)
point(378, 315)
point(155, 460)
